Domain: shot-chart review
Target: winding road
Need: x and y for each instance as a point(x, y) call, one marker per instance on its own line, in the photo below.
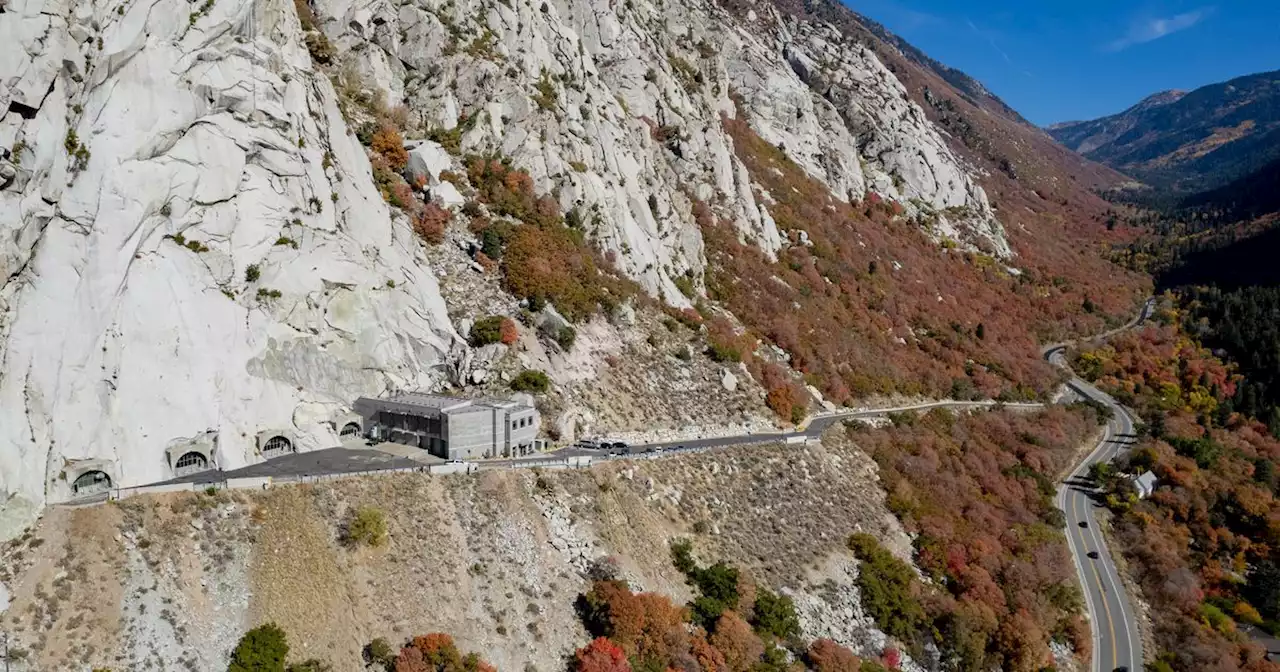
point(1117, 643)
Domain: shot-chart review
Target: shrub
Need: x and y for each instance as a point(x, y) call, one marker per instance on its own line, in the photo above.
point(486, 331)
point(380, 652)
point(508, 332)
point(532, 381)
point(741, 647)
point(546, 97)
point(825, 655)
point(565, 338)
point(262, 649)
point(430, 223)
point(889, 589)
point(319, 46)
point(388, 142)
point(648, 627)
point(717, 585)
point(601, 655)
point(252, 273)
point(367, 525)
point(436, 652)
point(775, 615)
point(684, 283)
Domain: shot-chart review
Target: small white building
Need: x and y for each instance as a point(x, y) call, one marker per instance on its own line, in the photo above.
point(1145, 484)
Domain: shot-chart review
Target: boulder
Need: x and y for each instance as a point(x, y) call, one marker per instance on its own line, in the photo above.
point(427, 160)
point(729, 381)
point(446, 195)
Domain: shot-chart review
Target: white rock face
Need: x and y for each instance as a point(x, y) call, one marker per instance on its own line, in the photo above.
point(190, 239)
point(114, 338)
point(617, 109)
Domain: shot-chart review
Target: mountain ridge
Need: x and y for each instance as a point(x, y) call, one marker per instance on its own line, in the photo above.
point(1187, 141)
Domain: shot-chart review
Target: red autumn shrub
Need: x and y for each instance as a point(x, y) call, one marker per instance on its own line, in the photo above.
point(601, 655)
point(892, 657)
point(430, 223)
point(508, 332)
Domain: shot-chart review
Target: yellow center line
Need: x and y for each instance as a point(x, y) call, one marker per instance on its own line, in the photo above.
point(1106, 605)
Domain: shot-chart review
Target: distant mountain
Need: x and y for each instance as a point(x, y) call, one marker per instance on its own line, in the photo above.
point(1187, 142)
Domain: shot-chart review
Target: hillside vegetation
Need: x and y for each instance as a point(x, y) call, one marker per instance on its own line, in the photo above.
point(1203, 546)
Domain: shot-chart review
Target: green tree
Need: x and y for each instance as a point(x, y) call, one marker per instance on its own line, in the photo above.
point(262, 649)
point(889, 590)
point(775, 615)
point(530, 380)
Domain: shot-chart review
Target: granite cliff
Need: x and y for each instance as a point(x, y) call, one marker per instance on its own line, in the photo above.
point(192, 239)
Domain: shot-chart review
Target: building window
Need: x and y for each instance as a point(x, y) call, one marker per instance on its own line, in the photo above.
point(190, 463)
point(91, 482)
point(277, 445)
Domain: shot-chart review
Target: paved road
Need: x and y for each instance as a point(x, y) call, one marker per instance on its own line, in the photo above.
point(814, 429)
point(1116, 640)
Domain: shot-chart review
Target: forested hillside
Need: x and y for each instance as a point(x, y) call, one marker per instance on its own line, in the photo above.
point(1203, 547)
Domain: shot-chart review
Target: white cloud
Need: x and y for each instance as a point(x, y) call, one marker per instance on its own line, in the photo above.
point(1147, 30)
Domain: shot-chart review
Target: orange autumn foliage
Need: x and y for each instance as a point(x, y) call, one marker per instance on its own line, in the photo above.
point(437, 652)
point(825, 655)
point(739, 644)
point(647, 626)
point(430, 222)
point(388, 142)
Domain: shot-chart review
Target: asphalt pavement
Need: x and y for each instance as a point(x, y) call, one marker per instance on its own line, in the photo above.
point(1117, 643)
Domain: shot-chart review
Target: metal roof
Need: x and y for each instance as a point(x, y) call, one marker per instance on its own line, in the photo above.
point(414, 402)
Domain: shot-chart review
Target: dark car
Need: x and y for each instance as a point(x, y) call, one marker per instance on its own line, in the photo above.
point(1093, 555)
point(1122, 668)
point(1084, 523)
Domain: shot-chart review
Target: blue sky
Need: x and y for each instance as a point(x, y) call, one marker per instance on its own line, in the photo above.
point(1081, 59)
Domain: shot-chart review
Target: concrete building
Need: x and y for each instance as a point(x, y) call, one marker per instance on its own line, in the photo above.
point(451, 427)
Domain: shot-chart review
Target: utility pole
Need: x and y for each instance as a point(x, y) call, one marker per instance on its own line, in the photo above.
point(6, 650)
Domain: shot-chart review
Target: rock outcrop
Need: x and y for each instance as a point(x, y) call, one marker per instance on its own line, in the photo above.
point(199, 246)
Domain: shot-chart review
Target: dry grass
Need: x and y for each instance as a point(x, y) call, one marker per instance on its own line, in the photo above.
point(66, 606)
point(775, 510)
point(299, 579)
